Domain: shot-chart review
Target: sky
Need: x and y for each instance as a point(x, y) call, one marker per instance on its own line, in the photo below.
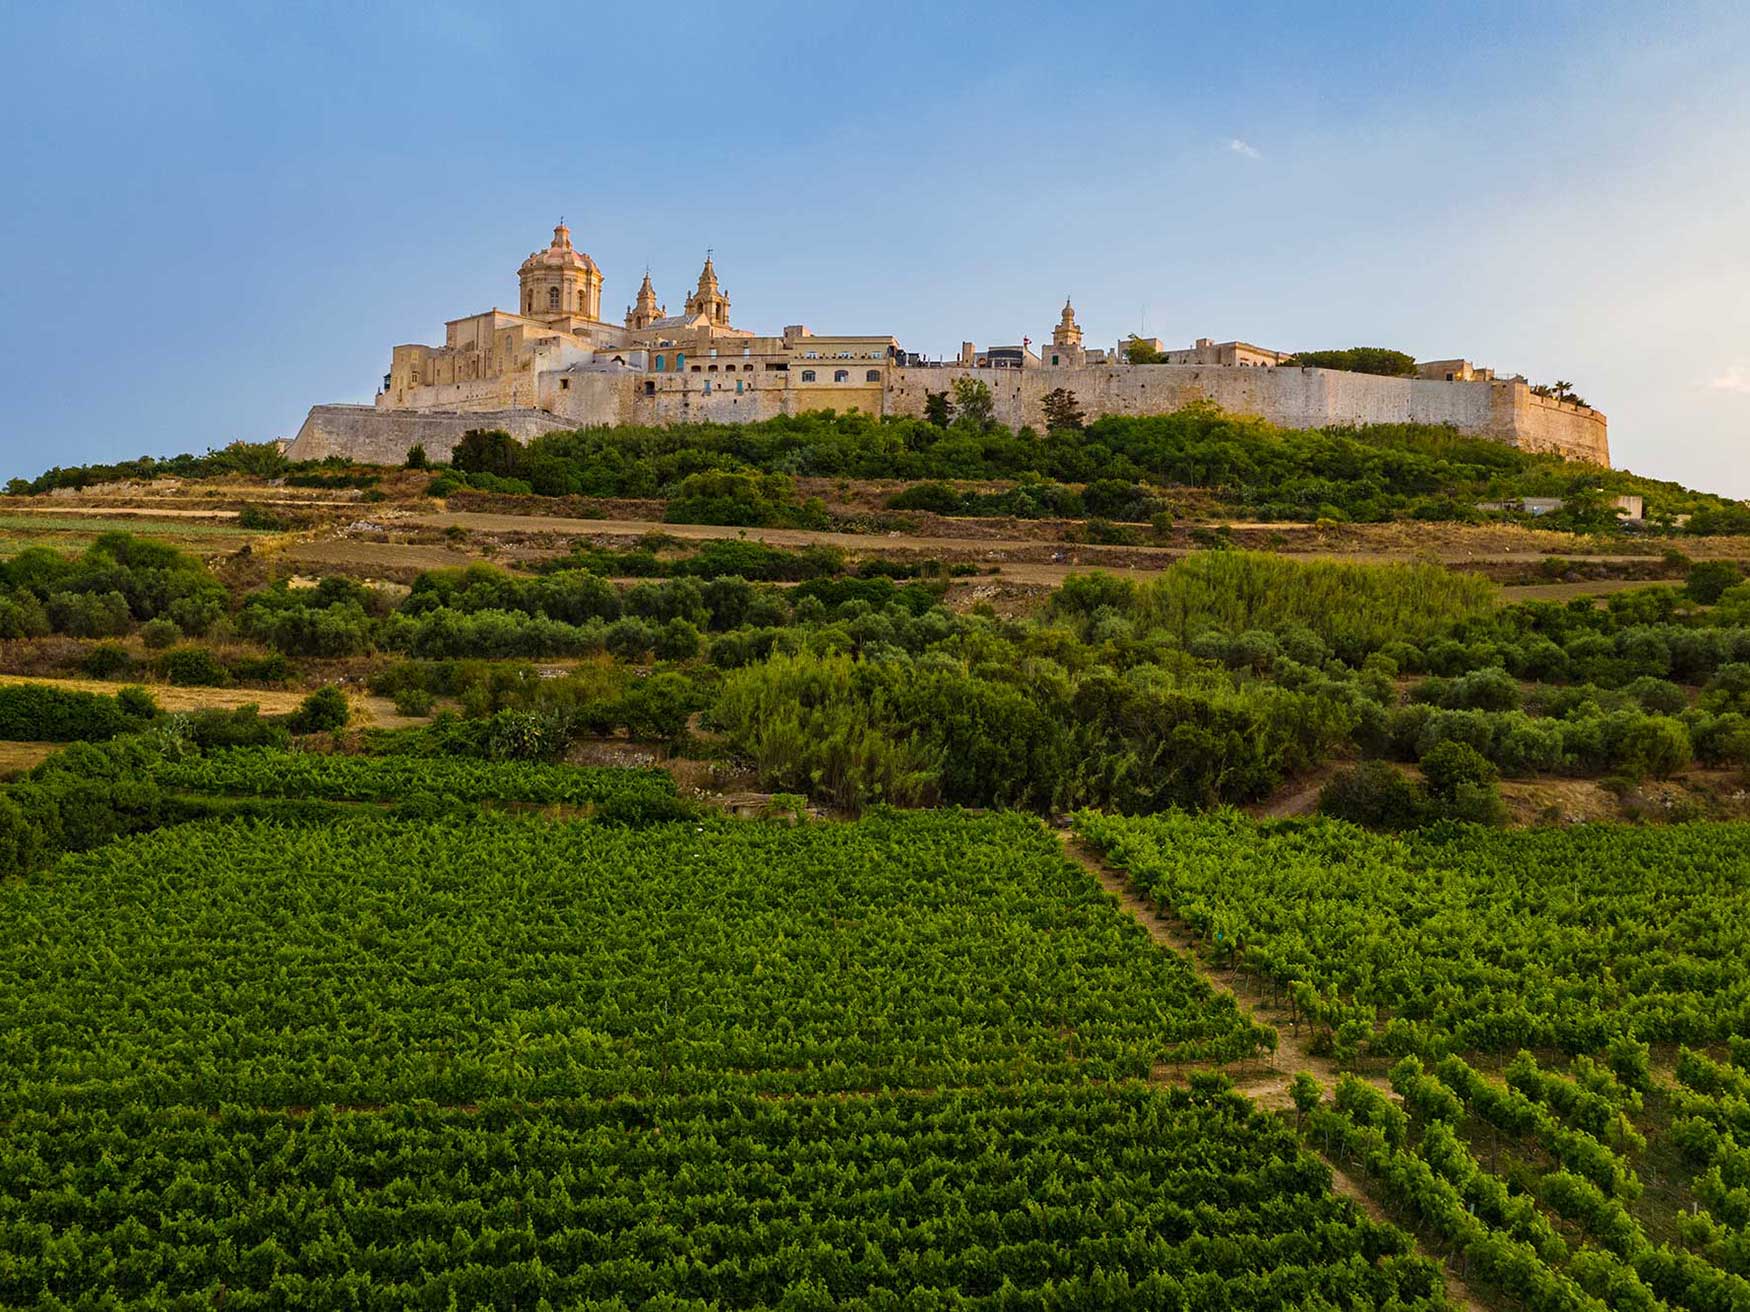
point(218, 215)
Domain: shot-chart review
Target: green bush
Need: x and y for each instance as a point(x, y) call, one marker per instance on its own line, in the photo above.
point(40, 712)
point(107, 660)
point(1708, 579)
point(1451, 764)
point(1375, 795)
point(413, 701)
point(322, 711)
point(193, 667)
point(160, 633)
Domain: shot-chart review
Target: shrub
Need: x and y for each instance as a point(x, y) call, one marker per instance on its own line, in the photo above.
point(193, 667)
point(416, 457)
point(160, 633)
point(1709, 579)
point(107, 660)
point(40, 712)
point(1451, 764)
point(1376, 795)
point(413, 701)
point(322, 711)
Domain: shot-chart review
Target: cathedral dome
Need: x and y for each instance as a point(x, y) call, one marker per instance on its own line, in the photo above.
point(560, 255)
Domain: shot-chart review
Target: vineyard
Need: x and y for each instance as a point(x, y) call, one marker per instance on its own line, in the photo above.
point(1575, 967)
point(487, 1062)
point(264, 772)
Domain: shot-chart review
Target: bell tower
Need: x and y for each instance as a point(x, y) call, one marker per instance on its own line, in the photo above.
point(1066, 339)
point(646, 311)
point(709, 300)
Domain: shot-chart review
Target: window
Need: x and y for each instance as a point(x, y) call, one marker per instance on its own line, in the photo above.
point(529, 303)
point(564, 384)
point(872, 376)
point(747, 368)
point(707, 384)
point(713, 369)
point(807, 376)
point(841, 375)
point(738, 386)
point(695, 368)
point(649, 387)
point(661, 364)
point(1054, 359)
point(552, 298)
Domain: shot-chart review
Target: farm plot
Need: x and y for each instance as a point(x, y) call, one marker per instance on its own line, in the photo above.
point(381, 1064)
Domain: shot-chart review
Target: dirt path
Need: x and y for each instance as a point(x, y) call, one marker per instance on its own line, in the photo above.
point(1269, 1089)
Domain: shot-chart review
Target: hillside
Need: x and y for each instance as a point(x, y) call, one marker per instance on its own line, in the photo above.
point(818, 866)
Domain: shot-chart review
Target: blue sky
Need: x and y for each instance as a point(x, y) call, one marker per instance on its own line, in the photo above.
point(221, 214)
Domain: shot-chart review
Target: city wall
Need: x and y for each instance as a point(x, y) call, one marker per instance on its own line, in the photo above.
point(382, 437)
point(1293, 398)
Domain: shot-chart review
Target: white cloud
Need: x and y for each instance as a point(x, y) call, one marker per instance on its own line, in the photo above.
point(1735, 379)
point(1245, 148)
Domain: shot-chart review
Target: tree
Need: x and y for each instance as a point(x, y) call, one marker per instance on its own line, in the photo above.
point(488, 451)
point(974, 406)
point(1304, 1089)
point(1357, 360)
point(416, 458)
point(1708, 579)
point(938, 410)
point(1061, 410)
point(1138, 351)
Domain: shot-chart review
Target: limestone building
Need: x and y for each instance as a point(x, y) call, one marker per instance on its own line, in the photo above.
point(553, 362)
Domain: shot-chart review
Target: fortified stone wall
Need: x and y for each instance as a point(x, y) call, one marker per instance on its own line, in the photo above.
point(1293, 398)
point(381, 437)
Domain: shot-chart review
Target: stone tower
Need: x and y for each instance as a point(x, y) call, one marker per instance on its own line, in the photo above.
point(560, 282)
point(646, 311)
point(1066, 340)
point(708, 300)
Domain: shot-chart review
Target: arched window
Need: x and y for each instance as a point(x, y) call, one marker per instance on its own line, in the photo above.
point(808, 375)
point(873, 376)
point(680, 359)
point(552, 298)
point(661, 364)
point(712, 369)
point(695, 368)
point(841, 375)
point(581, 304)
point(747, 368)
point(529, 303)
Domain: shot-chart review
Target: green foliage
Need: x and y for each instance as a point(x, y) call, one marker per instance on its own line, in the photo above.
point(40, 712)
point(1376, 795)
point(1469, 939)
point(193, 667)
point(1357, 360)
point(489, 451)
point(1709, 579)
point(974, 406)
point(416, 457)
point(322, 711)
point(1353, 609)
point(1062, 410)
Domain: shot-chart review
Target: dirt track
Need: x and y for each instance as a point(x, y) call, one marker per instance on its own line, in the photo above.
point(1269, 1089)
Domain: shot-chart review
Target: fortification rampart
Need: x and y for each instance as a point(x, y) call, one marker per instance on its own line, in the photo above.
point(1293, 398)
point(1504, 409)
point(382, 437)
